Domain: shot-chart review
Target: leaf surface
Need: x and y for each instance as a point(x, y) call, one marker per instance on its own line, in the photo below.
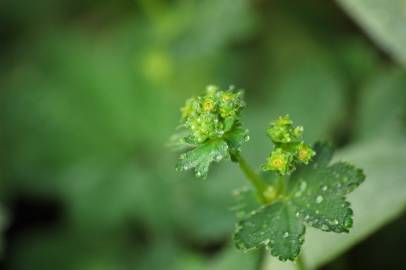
point(384, 191)
point(274, 226)
point(202, 156)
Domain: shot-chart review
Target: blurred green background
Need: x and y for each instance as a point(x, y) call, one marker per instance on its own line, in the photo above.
point(90, 93)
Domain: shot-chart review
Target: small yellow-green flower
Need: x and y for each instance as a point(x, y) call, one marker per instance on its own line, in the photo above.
point(211, 115)
point(208, 104)
point(282, 130)
point(304, 153)
point(289, 148)
point(279, 161)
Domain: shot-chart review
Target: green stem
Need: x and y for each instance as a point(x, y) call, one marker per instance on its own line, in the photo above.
point(253, 178)
point(300, 263)
point(281, 184)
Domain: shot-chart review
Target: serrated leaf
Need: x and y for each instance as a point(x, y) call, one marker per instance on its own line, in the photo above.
point(380, 200)
point(274, 226)
point(382, 108)
point(315, 195)
point(236, 138)
point(347, 177)
point(317, 191)
point(202, 156)
point(324, 154)
point(325, 210)
point(246, 202)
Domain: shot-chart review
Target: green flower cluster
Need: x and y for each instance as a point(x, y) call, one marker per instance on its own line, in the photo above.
point(289, 148)
point(212, 115)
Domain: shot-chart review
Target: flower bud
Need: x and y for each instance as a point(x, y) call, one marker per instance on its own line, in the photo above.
point(210, 116)
point(289, 148)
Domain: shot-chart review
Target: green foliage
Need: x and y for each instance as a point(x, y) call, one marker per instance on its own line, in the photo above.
point(213, 129)
point(384, 102)
point(383, 162)
point(301, 191)
point(318, 191)
point(275, 226)
point(315, 195)
point(202, 156)
point(90, 94)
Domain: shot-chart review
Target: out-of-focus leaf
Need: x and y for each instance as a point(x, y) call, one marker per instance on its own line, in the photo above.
point(170, 256)
point(378, 201)
point(232, 259)
point(358, 59)
point(384, 21)
point(67, 250)
point(196, 202)
point(382, 110)
point(213, 24)
point(112, 195)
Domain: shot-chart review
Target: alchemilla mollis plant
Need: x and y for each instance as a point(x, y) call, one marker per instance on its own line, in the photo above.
point(297, 186)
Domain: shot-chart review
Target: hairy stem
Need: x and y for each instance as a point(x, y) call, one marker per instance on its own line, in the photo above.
point(253, 178)
point(300, 263)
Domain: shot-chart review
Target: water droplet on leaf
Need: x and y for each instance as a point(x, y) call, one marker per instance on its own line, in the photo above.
point(324, 227)
point(303, 186)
